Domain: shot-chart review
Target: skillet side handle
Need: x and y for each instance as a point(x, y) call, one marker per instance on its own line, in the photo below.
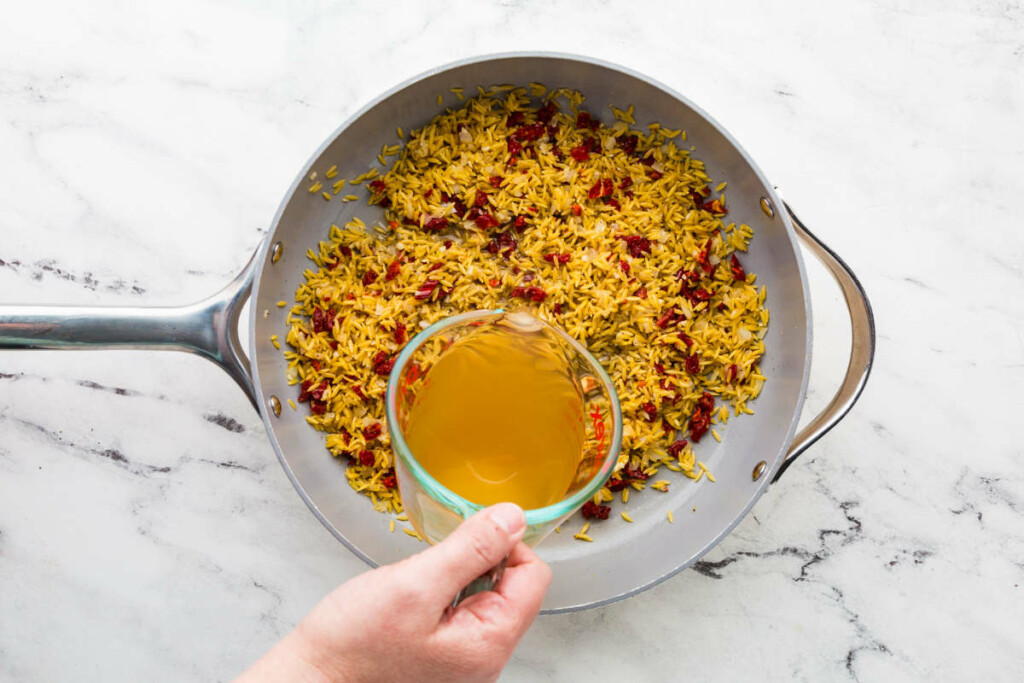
point(862, 351)
point(207, 328)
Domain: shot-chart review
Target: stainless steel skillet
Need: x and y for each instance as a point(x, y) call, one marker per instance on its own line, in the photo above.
point(627, 558)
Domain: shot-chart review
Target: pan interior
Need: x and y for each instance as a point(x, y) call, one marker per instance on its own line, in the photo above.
point(625, 557)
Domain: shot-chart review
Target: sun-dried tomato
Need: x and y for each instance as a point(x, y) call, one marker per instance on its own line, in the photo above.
point(366, 458)
point(737, 270)
point(628, 143)
point(485, 221)
point(317, 407)
point(576, 209)
point(494, 282)
point(635, 473)
point(692, 364)
point(733, 372)
point(595, 190)
point(686, 340)
point(480, 199)
point(492, 247)
point(304, 390)
point(495, 180)
point(435, 266)
point(425, 290)
point(383, 365)
point(547, 112)
point(323, 320)
point(369, 277)
point(715, 206)
point(668, 317)
point(650, 411)
point(616, 484)
point(529, 132)
point(447, 244)
point(702, 256)
point(585, 121)
point(345, 251)
point(642, 292)
point(399, 333)
point(659, 368)
point(532, 293)
point(371, 432)
point(334, 345)
point(637, 245)
point(389, 481)
point(624, 265)
point(647, 160)
point(594, 144)
point(580, 153)
point(612, 202)
point(519, 223)
point(359, 392)
point(592, 510)
point(514, 148)
point(626, 183)
point(393, 268)
point(654, 175)
point(507, 241)
point(700, 420)
point(377, 185)
point(529, 277)
point(315, 363)
point(515, 118)
point(564, 258)
point(345, 436)
point(557, 310)
point(318, 392)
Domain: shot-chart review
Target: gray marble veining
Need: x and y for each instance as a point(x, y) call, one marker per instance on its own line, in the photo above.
point(146, 530)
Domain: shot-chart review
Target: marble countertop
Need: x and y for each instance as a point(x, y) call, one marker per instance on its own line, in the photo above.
point(147, 531)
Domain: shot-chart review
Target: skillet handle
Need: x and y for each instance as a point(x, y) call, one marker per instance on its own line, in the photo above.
point(207, 328)
point(862, 351)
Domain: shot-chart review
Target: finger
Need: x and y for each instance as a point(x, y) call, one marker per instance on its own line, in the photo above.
point(525, 583)
point(511, 608)
point(475, 547)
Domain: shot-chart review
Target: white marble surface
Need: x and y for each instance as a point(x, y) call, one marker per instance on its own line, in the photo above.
point(146, 529)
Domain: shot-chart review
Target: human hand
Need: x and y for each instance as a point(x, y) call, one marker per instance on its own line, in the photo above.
point(394, 623)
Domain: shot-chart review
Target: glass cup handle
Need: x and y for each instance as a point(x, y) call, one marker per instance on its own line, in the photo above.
point(485, 582)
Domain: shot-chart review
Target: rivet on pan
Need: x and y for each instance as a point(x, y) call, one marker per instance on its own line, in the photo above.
point(275, 251)
point(275, 405)
point(767, 207)
point(758, 470)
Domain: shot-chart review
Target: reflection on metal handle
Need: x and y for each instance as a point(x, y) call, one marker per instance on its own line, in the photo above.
point(862, 351)
point(484, 582)
point(208, 328)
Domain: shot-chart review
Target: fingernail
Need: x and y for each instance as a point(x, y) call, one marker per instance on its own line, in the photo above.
point(509, 517)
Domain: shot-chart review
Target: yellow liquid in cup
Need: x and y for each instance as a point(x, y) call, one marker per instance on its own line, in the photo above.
point(499, 418)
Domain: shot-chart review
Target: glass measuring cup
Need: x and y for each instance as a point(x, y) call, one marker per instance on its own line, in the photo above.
point(435, 510)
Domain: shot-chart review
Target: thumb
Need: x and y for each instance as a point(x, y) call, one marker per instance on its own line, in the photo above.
point(476, 546)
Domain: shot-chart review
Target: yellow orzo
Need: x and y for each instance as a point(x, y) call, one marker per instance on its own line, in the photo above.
point(520, 197)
